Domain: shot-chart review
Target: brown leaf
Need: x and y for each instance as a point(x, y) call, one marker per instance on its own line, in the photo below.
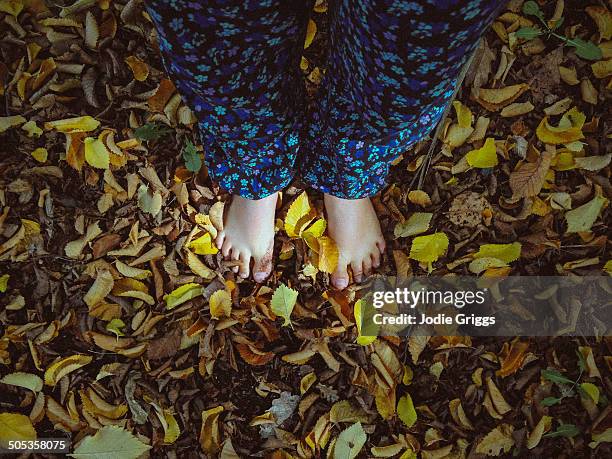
point(528, 179)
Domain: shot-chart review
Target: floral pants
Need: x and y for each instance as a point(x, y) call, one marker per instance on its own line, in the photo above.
point(392, 66)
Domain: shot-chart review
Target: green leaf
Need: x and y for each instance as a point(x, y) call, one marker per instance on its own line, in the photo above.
point(283, 302)
point(193, 161)
point(585, 49)
point(533, 9)
point(528, 33)
point(110, 442)
point(564, 430)
point(182, 294)
point(27, 380)
point(582, 218)
point(115, 326)
point(417, 223)
point(349, 442)
point(556, 377)
point(550, 401)
point(406, 411)
point(151, 131)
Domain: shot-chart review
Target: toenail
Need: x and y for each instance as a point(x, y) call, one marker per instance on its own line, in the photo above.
point(341, 283)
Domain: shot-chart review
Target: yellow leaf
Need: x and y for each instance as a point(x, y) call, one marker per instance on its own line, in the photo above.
point(171, 429)
point(311, 31)
point(406, 411)
point(419, 197)
point(483, 157)
point(568, 130)
point(209, 432)
point(328, 254)
point(182, 294)
point(603, 18)
point(198, 267)
point(139, 69)
point(71, 125)
point(315, 230)
point(496, 99)
point(608, 267)
point(32, 129)
point(101, 287)
point(534, 437)
point(498, 440)
point(131, 271)
point(7, 122)
point(592, 390)
point(298, 216)
point(40, 154)
point(12, 7)
point(464, 114)
point(505, 252)
point(15, 427)
point(4, 282)
point(569, 76)
point(307, 381)
point(62, 367)
point(220, 304)
point(203, 245)
point(428, 249)
point(358, 313)
point(602, 69)
point(96, 153)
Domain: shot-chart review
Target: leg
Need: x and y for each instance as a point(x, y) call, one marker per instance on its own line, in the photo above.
point(235, 63)
point(393, 66)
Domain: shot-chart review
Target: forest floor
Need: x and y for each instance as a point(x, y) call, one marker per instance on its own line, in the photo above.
point(120, 324)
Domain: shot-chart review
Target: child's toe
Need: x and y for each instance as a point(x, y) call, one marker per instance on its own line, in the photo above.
point(340, 278)
point(245, 261)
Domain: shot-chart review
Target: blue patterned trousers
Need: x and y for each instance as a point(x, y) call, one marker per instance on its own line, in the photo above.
point(391, 70)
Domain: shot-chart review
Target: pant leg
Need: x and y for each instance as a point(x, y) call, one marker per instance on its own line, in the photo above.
point(236, 64)
point(391, 72)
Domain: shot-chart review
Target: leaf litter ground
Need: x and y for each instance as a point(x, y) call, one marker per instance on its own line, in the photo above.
point(120, 323)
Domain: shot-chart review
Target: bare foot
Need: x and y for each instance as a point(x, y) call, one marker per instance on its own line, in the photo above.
point(354, 226)
point(248, 233)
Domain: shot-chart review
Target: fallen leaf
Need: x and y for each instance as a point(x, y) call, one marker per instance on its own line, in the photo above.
point(498, 440)
point(64, 366)
point(350, 442)
point(406, 411)
point(15, 427)
point(428, 249)
point(209, 432)
point(139, 69)
point(417, 223)
point(72, 125)
point(220, 304)
point(528, 179)
point(182, 294)
point(110, 442)
point(582, 218)
point(484, 157)
point(283, 302)
point(21, 379)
